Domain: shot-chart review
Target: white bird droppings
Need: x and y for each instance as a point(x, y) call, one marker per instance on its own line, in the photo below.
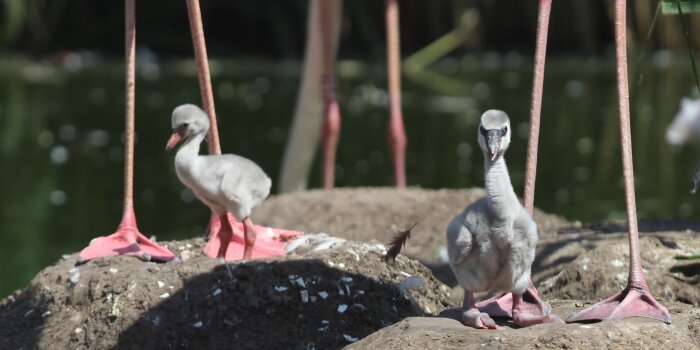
point(617, 263)
point(341, 265)
point(75, 276)
point(113, 270)
point(342, 308)
point(164, 295)
point(405, 274)
point(161, 284)
point(197, 324)
point(78, 330)
point(280, 288)
point(46, 314)
point(216, 292)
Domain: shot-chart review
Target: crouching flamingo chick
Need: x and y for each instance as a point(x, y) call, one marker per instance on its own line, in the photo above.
point(225, 183)
point(491, 244)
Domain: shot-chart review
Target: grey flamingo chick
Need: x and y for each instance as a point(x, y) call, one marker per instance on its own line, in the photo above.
point(491, 244)
point(225, 183)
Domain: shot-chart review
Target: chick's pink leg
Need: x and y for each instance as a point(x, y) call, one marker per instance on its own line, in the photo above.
point(269, 242)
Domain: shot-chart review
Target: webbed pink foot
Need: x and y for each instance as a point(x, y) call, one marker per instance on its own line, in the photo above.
point(526, 310)
point(228, 241)
point(127, 240)
point(476, 319)
point(631, 302)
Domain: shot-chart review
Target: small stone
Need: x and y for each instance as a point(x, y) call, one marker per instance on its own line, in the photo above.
point(350, 338)
point(577, 304)
point(342, 308)
point(197, 324)
point(280, 288)
point(46, 314)
point(300, 282)
point(188, 246)
point(78, 330)
point(185, 255)
point(113, 270)
point(323, 295)
point(31, 311)
point(341, 265)
point(164, 295)
point(216, 292)
point(161, 284)
point(304, 296)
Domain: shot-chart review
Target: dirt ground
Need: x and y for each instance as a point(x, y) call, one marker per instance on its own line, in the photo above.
point(347, 294)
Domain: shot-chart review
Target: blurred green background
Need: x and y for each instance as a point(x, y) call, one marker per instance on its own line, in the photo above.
point(61, 108)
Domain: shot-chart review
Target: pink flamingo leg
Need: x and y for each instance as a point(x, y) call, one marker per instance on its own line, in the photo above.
point(331, 125)
point(273, 240)
point(397, 135)
point(636, 299)
point(528, 309)
point(127, 240)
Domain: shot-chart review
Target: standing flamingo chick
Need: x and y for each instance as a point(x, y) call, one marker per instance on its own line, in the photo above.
point(491, 244)
point(225, 183)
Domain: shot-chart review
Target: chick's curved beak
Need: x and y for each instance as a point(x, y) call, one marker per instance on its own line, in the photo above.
point(175, 138)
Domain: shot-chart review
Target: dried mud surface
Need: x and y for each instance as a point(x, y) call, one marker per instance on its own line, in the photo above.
point(347, 294)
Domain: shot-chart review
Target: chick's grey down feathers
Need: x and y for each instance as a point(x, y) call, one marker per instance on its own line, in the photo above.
point(223, 182)
point(491, 244)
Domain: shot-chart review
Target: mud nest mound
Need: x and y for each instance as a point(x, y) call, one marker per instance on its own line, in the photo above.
point(321, 300)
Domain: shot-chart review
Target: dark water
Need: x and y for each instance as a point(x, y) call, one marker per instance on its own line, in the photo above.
point(61, 141)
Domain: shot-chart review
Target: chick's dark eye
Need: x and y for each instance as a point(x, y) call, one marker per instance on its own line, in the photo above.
point(504, 131)
point(482, 130)
point(184, 125)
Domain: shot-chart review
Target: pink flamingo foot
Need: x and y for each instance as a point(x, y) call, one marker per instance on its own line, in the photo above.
point(500, 305)
point(469, 315)
point(127, 240)
point(631, 302)
point(228, 241)
point(526, 310)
